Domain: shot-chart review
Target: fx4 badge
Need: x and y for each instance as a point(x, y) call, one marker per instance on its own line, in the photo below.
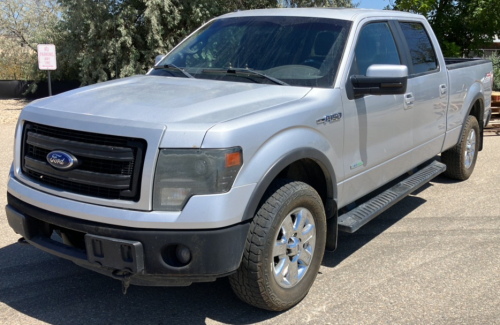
point(329, 118)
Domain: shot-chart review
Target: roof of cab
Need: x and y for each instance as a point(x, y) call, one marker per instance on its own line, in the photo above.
point(336, 13)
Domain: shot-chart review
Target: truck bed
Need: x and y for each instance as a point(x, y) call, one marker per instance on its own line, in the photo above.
point(468, 79)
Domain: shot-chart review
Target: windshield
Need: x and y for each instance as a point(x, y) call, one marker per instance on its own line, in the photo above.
point(300, 51)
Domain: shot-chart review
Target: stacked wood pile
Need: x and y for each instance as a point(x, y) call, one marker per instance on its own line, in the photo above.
point(494, 125)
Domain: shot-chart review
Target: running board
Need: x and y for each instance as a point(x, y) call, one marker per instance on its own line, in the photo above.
point(358, 217)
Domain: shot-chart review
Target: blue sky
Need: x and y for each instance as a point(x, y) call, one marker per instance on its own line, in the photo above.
point(372, 4)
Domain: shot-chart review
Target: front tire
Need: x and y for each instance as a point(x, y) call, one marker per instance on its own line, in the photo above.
point(460, 160)
point(284, 248)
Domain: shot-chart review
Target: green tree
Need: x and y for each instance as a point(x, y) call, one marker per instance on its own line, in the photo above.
point(463, 27)
point(98, 40)
point(317, 3)
point(495, 58)
point(119, 38)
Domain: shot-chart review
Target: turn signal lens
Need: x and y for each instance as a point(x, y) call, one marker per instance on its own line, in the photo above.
point(233, 159)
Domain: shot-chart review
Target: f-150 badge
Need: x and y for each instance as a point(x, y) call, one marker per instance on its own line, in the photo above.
point(329, 118)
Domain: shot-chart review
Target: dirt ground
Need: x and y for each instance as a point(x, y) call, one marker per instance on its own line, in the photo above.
point(10, 109)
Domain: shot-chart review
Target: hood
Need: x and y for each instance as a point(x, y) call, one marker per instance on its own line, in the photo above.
point(169, 100)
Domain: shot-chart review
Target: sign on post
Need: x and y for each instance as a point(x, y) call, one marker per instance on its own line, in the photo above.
point(47, 57)
point(47, 60)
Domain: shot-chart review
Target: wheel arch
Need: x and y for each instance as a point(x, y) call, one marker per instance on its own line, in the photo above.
point(290, 165)
point(476, 109)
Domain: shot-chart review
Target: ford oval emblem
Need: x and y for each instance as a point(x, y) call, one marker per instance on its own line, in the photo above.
point(61, 160)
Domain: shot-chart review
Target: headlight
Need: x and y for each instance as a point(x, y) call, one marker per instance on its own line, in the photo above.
point(182, 173)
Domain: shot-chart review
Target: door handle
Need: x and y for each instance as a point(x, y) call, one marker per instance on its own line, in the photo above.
point(442, 90)
point(409, 100)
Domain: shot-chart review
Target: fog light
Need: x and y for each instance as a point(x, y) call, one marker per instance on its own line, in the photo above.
point(183, 254)
point(176, 255)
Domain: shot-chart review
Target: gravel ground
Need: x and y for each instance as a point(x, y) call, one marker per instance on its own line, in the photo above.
point(10, 109)
point(433, 258)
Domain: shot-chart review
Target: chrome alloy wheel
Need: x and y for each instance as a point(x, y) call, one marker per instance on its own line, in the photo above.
point(470, 148)
point(294, 247)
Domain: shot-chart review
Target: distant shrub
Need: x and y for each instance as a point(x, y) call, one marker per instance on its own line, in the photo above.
point(495, 58)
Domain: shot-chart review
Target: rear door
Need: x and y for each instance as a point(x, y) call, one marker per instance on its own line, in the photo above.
point(427, 87)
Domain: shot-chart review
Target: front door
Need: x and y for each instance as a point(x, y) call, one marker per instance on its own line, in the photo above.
point(377, 129)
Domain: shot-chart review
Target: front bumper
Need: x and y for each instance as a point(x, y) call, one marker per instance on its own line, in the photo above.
point(214, 253)
point(201, 212)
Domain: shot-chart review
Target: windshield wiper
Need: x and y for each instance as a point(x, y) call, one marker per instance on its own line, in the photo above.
point(173, 66)
point(246, 71)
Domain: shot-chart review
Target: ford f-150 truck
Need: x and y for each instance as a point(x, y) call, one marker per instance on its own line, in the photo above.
point(246, 148)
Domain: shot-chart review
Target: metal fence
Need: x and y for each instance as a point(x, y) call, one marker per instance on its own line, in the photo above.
point(10, 89)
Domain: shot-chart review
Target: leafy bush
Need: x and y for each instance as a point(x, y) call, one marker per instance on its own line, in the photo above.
point(495, 58)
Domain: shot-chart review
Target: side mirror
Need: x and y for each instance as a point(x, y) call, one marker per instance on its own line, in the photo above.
point(381, 79)
point(159, 58)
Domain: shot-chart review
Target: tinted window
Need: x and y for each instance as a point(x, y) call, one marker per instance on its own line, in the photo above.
point(375, 46)
point(421, 50)
point(301, 51)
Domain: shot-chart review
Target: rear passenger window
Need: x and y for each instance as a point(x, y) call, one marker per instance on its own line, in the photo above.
point(421, 50)
point(375, 46)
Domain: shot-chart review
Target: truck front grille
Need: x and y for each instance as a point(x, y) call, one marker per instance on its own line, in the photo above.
point(109, 167)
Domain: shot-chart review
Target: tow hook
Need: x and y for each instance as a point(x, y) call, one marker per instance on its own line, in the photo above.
point(124, 276)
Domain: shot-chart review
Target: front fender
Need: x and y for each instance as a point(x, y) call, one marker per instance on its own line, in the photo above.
point(280, 151)
point(275, 137)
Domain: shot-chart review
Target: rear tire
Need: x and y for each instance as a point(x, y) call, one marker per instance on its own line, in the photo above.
point(460, 160)
point(284, 248)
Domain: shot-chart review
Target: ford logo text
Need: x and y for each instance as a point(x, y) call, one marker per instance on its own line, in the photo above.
point(61, 160)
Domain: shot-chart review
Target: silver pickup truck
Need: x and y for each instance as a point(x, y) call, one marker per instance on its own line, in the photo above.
point(246, 148)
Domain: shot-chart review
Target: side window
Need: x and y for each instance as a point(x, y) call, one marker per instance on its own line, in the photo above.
point(421, 50)
point(375, 46)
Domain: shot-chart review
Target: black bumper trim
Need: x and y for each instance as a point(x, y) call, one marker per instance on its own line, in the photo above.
point(215, 252)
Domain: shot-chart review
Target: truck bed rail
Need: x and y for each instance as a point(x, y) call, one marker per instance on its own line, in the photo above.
point(457, 63)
